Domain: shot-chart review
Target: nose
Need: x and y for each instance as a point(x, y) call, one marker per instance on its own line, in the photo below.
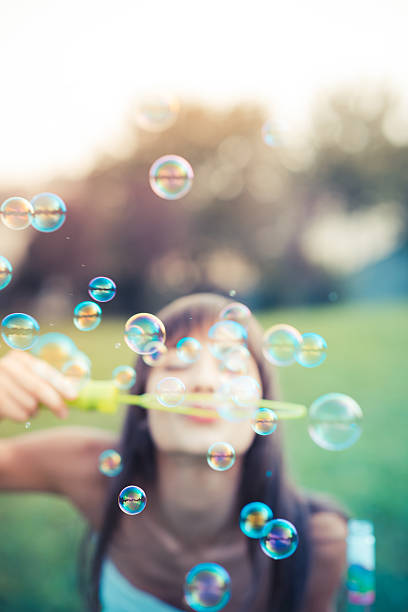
point(206, 374)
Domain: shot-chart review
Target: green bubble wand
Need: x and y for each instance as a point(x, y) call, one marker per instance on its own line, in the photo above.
point(103, 396)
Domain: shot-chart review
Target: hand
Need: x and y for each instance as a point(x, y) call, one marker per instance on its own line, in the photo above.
point(26, 382)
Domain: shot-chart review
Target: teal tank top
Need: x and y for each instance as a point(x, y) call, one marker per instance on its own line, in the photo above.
point(117, 594)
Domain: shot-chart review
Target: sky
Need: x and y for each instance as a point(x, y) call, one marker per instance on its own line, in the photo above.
point(71, 71)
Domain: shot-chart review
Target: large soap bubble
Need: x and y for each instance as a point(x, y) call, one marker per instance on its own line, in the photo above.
point(207, 587)
point(335, 421)
point(142, 331)
point(281, 344)
point(19, 331)
point(49, 212)
point(16, 213)
point(171, 177)
point(54, 348)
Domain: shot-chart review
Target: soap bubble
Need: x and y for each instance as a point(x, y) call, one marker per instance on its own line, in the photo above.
point(170, 391)
point(281, 344)
point(281, 540)
point(269, 134)
point(19, 331)
point(156, 353)
point(102, 289)
point(236, 359)
point(78, 369)
point(49, 212)
point(27, 425)
point(87, 316)
point(142, 330)
point(225, 334)
point(335, 421)
point(254, 519)
point(16, 213)
point(132, 500)
point(264, 421)
point(312, 350)
point(221, 456)
point(124, 377)
point(6, 272)
point(245, 391)
point(188, 349)
point(232, 293)
point(171, 177)
point(207, 587)
point(236, 312)
point(54, 348)
point(156, 113)
point(110, 462)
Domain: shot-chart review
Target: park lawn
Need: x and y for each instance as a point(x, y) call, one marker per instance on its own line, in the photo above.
point(39, 535)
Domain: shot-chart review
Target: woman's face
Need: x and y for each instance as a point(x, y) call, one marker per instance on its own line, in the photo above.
point(181, 433)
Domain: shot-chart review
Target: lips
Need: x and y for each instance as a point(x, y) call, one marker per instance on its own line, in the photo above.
point(203, 419)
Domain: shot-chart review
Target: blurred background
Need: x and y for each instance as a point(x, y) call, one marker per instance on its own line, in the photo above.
point(294, 118)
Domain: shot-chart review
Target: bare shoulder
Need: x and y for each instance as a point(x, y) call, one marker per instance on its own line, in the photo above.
point(328, 561)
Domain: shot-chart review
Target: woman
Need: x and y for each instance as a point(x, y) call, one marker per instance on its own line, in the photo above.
point(192, 513)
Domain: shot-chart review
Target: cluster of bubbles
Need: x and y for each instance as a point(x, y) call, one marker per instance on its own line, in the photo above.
point(278, 538)
point(207, 587)
point(132, 500)
point(110, 462)
point(87, 314)
point(283, 345)
point(61, 352)
point(46, 212)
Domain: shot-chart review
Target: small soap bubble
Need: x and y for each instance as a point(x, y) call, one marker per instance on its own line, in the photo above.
point(16, 213)
point(228, 409)
point(132, 500)
point(335, 421)
point(312, 351)
point(188, 349)
point(171, 177)
point(268, 473)
point(102, 289)
point(281, 540)
point(78, 369)
point(236, 359)
point(156, 113)
point(207, 587)
point(225, 334)
point(87, 316)
point(156, 353)
point(170, 391)
point(54, 348)
point(6, 272)
point(264, 421)
point(124, 377)
point(232, 293)
point(118, 345)
point(269, 135)
point(245, 391)
point(49, 212)
point(254, 519)
point(142, 330)
point(27, 425)
point(110, 462)
point(221, 456)
point(19, 331)
point(236, 312)
point(281, 344)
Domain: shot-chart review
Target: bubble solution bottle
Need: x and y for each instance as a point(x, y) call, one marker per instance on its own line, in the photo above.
point(360, 566)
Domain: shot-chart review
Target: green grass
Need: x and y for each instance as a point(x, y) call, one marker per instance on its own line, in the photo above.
point(367, 348)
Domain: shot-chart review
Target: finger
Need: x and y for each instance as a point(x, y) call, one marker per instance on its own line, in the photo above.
point(43, 369)
point(11, 410)
point(35, 385)
point(25, 400)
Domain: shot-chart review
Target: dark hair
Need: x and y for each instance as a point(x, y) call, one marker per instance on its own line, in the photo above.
point(287, 578)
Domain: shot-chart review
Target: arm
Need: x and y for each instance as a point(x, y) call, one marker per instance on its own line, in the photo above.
point(328, 561)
